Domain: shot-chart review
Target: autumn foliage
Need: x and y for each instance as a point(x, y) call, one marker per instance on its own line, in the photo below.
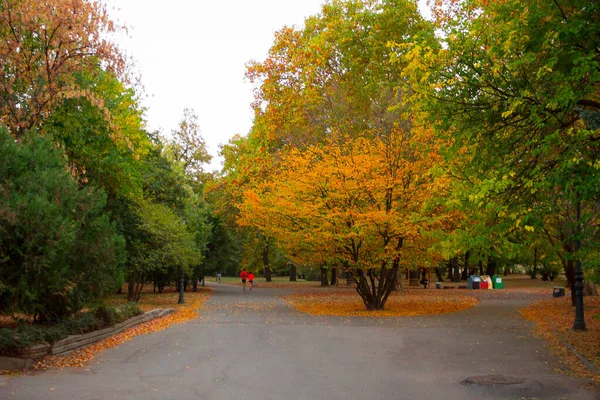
point(409, 304)
point(44, 43)
point(553, 320)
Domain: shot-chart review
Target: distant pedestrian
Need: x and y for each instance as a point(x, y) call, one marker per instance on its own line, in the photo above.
point(219, 277)
point(551, 276)
point(251, 279)
point(244, 276)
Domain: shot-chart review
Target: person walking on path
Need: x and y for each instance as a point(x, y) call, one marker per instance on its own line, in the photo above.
point(219, 277)
point(250, 279)
point(244, 276)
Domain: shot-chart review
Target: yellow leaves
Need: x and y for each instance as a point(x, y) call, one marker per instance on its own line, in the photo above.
point(553, 320)
point(410, 303)
point(529, 228)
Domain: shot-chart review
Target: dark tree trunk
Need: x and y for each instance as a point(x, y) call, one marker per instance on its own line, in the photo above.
point(161, 287)
point(534, 270)
point(465, 273)
point(134, 291)
point(130, 291)
point(195, 286)
point(480, 265)
point(293, 272)
point(265, 257)
point(397, 281)
point(455, 267)
point(374, 290)
point(334, 276)
point(120, 291)
point(491, 266)
point(324, 281)
point(438, 274)
point(450, 276)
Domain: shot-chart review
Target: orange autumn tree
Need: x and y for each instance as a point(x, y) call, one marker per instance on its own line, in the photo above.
point(360, 201)
point(43, 45)
point(330, 78)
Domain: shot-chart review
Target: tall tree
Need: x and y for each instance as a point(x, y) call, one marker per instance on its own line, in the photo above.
point(187, 146)
point(42, 46)
point(517, 83)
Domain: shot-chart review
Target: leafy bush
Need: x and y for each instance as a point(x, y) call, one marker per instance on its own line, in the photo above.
point(129, 310)
point(26, 335)
point(108, 315)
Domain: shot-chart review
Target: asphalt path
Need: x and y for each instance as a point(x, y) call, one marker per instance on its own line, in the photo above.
point(253, 345)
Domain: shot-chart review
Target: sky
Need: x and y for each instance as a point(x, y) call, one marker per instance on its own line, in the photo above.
point(192, 54)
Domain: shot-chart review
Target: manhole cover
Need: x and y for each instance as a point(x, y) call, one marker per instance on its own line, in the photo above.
point(491, 380)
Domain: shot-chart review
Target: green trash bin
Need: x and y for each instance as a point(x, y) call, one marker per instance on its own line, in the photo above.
point(497, 282)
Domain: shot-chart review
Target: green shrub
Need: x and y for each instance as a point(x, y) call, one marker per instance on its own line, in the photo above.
point(108, 315)
point(26, 334)
point(58, 248)
point(83, 323)
point(129, 310)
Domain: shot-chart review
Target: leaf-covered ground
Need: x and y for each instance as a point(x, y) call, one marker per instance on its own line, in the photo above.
point(410, 303)
point(553, 323)
point(183, 313)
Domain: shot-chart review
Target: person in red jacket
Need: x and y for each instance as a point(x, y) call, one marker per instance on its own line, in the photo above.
point(250, 279)
point(244, 276)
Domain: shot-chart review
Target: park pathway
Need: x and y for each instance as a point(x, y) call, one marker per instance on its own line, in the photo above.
point(252, 345)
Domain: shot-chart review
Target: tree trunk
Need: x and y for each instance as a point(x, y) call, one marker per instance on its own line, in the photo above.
point(130, 291)
point(450, 276)
point(534, 269)
point(334, 276)
point(293, 272)
point(373, 290)
point(480, 265)
point(324, 281)
point(455, 267)
point(491, 266)
point(438, 274)
point(465, 273)
point(397, 281)
point(195, 286)
point(134, 291)
point(265, 257)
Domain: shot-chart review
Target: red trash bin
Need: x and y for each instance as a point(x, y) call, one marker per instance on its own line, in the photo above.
point(484, 285)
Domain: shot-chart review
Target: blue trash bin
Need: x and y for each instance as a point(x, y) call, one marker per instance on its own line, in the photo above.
point(474, 282)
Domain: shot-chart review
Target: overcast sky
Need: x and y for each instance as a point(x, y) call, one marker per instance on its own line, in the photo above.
point(192, 54)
